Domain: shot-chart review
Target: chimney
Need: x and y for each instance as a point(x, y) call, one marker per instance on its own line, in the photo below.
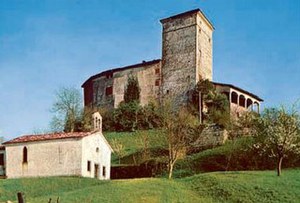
point(97, 121)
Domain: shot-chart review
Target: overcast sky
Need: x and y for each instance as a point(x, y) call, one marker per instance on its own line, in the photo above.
point(48, 44)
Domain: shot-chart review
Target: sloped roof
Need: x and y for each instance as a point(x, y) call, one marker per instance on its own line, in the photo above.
point(239, 89)
point(111, 71)
point(51, 136)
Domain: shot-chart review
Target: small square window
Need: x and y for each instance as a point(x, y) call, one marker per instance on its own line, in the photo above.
point(157, 82)
point(157, 71)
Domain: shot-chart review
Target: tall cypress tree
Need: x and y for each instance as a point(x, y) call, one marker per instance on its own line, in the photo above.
point(132, 90)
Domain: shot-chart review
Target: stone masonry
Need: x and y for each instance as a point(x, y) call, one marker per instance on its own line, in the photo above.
point(187, 51)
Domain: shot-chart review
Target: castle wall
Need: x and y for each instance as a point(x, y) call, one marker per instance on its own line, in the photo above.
point(108, 89)
point(100, 96)
point(149, 82)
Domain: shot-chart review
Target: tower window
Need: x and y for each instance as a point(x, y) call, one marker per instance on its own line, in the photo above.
point(157, 82)
point(108, 91)
point(25, 155)
point(157, 71)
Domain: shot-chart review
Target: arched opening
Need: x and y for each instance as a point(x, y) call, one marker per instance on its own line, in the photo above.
point(234, 97)
point(249, 103)
point(242, 100)
point(256, 107)
point(25, 155)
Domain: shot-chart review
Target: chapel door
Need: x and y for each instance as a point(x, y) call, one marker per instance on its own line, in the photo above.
point(96, 171)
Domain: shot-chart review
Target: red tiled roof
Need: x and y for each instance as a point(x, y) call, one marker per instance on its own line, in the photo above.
point(52, 136)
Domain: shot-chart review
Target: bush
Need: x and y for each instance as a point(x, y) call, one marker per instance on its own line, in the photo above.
point(130, 117)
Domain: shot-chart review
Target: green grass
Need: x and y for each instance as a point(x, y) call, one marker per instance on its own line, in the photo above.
point(247, 186)
point(72, 189)
point(133, 141)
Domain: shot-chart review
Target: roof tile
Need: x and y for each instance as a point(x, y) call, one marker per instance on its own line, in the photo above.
point(51, 136)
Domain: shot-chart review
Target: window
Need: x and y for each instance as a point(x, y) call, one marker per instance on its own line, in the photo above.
point(97, 149)
point(168, 91)
point(157, 71)
point(88, 165)
point(103, 171)
point(2, 159)
point(157, 82)
point(25, 155)
point(234, 97)
point(108, 91)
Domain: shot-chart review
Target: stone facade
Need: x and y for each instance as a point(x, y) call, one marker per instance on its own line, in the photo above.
point(187, 57)
point(186, 53)
point(211, 136)
point(107, 88)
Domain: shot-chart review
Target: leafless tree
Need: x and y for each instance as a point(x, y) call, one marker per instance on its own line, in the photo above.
point(67, 109)
point(178, 126)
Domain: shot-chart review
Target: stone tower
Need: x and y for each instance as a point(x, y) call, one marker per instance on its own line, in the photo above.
point(186, 53)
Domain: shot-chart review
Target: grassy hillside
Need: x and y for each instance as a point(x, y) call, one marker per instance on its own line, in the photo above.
point(133, 141)
point(258, 186)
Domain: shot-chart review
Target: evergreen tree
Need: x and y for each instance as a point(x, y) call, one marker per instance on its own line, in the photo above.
point(132, 90)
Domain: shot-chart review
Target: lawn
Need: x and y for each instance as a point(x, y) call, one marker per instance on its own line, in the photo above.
point(247, 186)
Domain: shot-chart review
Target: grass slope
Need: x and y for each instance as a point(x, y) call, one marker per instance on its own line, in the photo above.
point(133, 141)
point(254, 186)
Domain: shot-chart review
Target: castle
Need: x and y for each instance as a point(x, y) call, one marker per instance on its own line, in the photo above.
point(187, 51)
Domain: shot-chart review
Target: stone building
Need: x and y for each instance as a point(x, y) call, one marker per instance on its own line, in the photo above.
point(86, 154)
point(187, 56)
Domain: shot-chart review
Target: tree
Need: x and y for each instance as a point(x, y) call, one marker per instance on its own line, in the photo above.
point(67, 109)
point(132, 90)
point(213, 107)
point(203, 87)
point(178, 127)
point(119, 149)
point(278, 134)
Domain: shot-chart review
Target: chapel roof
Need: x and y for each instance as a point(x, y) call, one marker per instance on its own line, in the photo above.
point(50, 136)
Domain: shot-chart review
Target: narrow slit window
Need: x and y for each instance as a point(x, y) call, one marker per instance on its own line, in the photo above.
point(103, 171)
point(88, 165)
point(25, 155)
